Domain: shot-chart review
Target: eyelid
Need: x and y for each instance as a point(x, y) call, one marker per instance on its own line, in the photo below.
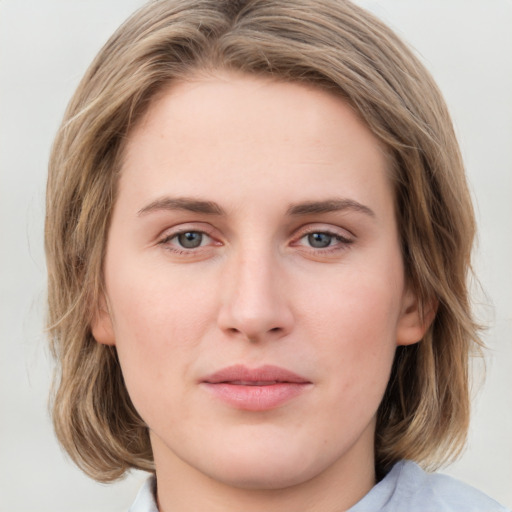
point(343, 239)
point(329, 229)
point(172, 236)
point(169, 233)
point(184, 227)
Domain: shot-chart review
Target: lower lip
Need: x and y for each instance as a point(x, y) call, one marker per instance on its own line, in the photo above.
point(256, 398)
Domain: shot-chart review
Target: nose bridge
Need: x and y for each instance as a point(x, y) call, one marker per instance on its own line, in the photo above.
point(255, 305)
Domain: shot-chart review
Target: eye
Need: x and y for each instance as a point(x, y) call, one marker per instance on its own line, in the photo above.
point(323, 241)
point(319, 240)
point(190, 239)
point(186, 240)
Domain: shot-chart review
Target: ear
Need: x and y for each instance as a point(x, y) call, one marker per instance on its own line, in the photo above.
point(101, 326)
point(415, 318)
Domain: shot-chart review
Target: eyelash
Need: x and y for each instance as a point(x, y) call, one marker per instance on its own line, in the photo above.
point(166, 242)
point(342, 242)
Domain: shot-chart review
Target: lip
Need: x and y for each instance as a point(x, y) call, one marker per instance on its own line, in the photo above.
point(255, 389)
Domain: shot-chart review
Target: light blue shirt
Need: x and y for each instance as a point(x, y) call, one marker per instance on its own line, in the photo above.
point(406, 488)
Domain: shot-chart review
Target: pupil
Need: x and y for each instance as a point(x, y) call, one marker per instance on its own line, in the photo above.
point(190, 240)
point(319, 240)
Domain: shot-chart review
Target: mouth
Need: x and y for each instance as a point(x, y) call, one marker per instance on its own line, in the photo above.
point(257, 389)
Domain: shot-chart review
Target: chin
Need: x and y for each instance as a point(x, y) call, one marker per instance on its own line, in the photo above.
point(270, 476)
point(267, 469)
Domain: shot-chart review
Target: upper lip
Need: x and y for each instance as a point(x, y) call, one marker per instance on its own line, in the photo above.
point(263, 375)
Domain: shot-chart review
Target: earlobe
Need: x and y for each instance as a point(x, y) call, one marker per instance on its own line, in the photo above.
point(101, 326)
point(415, 319)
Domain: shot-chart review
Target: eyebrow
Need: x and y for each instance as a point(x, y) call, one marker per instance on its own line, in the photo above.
point(211, 208)
point(182, 203)
point(329, 205)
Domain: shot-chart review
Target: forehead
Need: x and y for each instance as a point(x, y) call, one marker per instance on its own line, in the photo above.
point(208, 133)
point(260, 101)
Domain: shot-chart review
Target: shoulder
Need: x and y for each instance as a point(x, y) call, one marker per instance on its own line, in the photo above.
point(408, 488)
point(145, 500)
point(444, 490)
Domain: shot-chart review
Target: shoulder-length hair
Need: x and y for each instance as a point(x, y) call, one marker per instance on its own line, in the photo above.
point(331, 44)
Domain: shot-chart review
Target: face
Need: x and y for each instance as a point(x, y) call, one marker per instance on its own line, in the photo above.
point(254, 283)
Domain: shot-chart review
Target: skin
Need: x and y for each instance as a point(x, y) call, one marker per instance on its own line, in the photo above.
point(258, 289)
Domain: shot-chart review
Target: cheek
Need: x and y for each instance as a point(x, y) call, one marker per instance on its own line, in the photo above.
point(158, 324)
point(156, 307)
point(354, 326)
point(360, 308)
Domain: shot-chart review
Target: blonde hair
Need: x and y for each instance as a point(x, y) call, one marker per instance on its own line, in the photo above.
point(331, 44)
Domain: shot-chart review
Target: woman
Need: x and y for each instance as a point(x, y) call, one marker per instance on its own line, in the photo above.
point(258, 239)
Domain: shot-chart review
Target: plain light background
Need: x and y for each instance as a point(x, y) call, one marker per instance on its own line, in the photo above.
point(45, 47)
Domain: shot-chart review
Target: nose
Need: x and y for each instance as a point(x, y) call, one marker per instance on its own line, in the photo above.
point(255, 304)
